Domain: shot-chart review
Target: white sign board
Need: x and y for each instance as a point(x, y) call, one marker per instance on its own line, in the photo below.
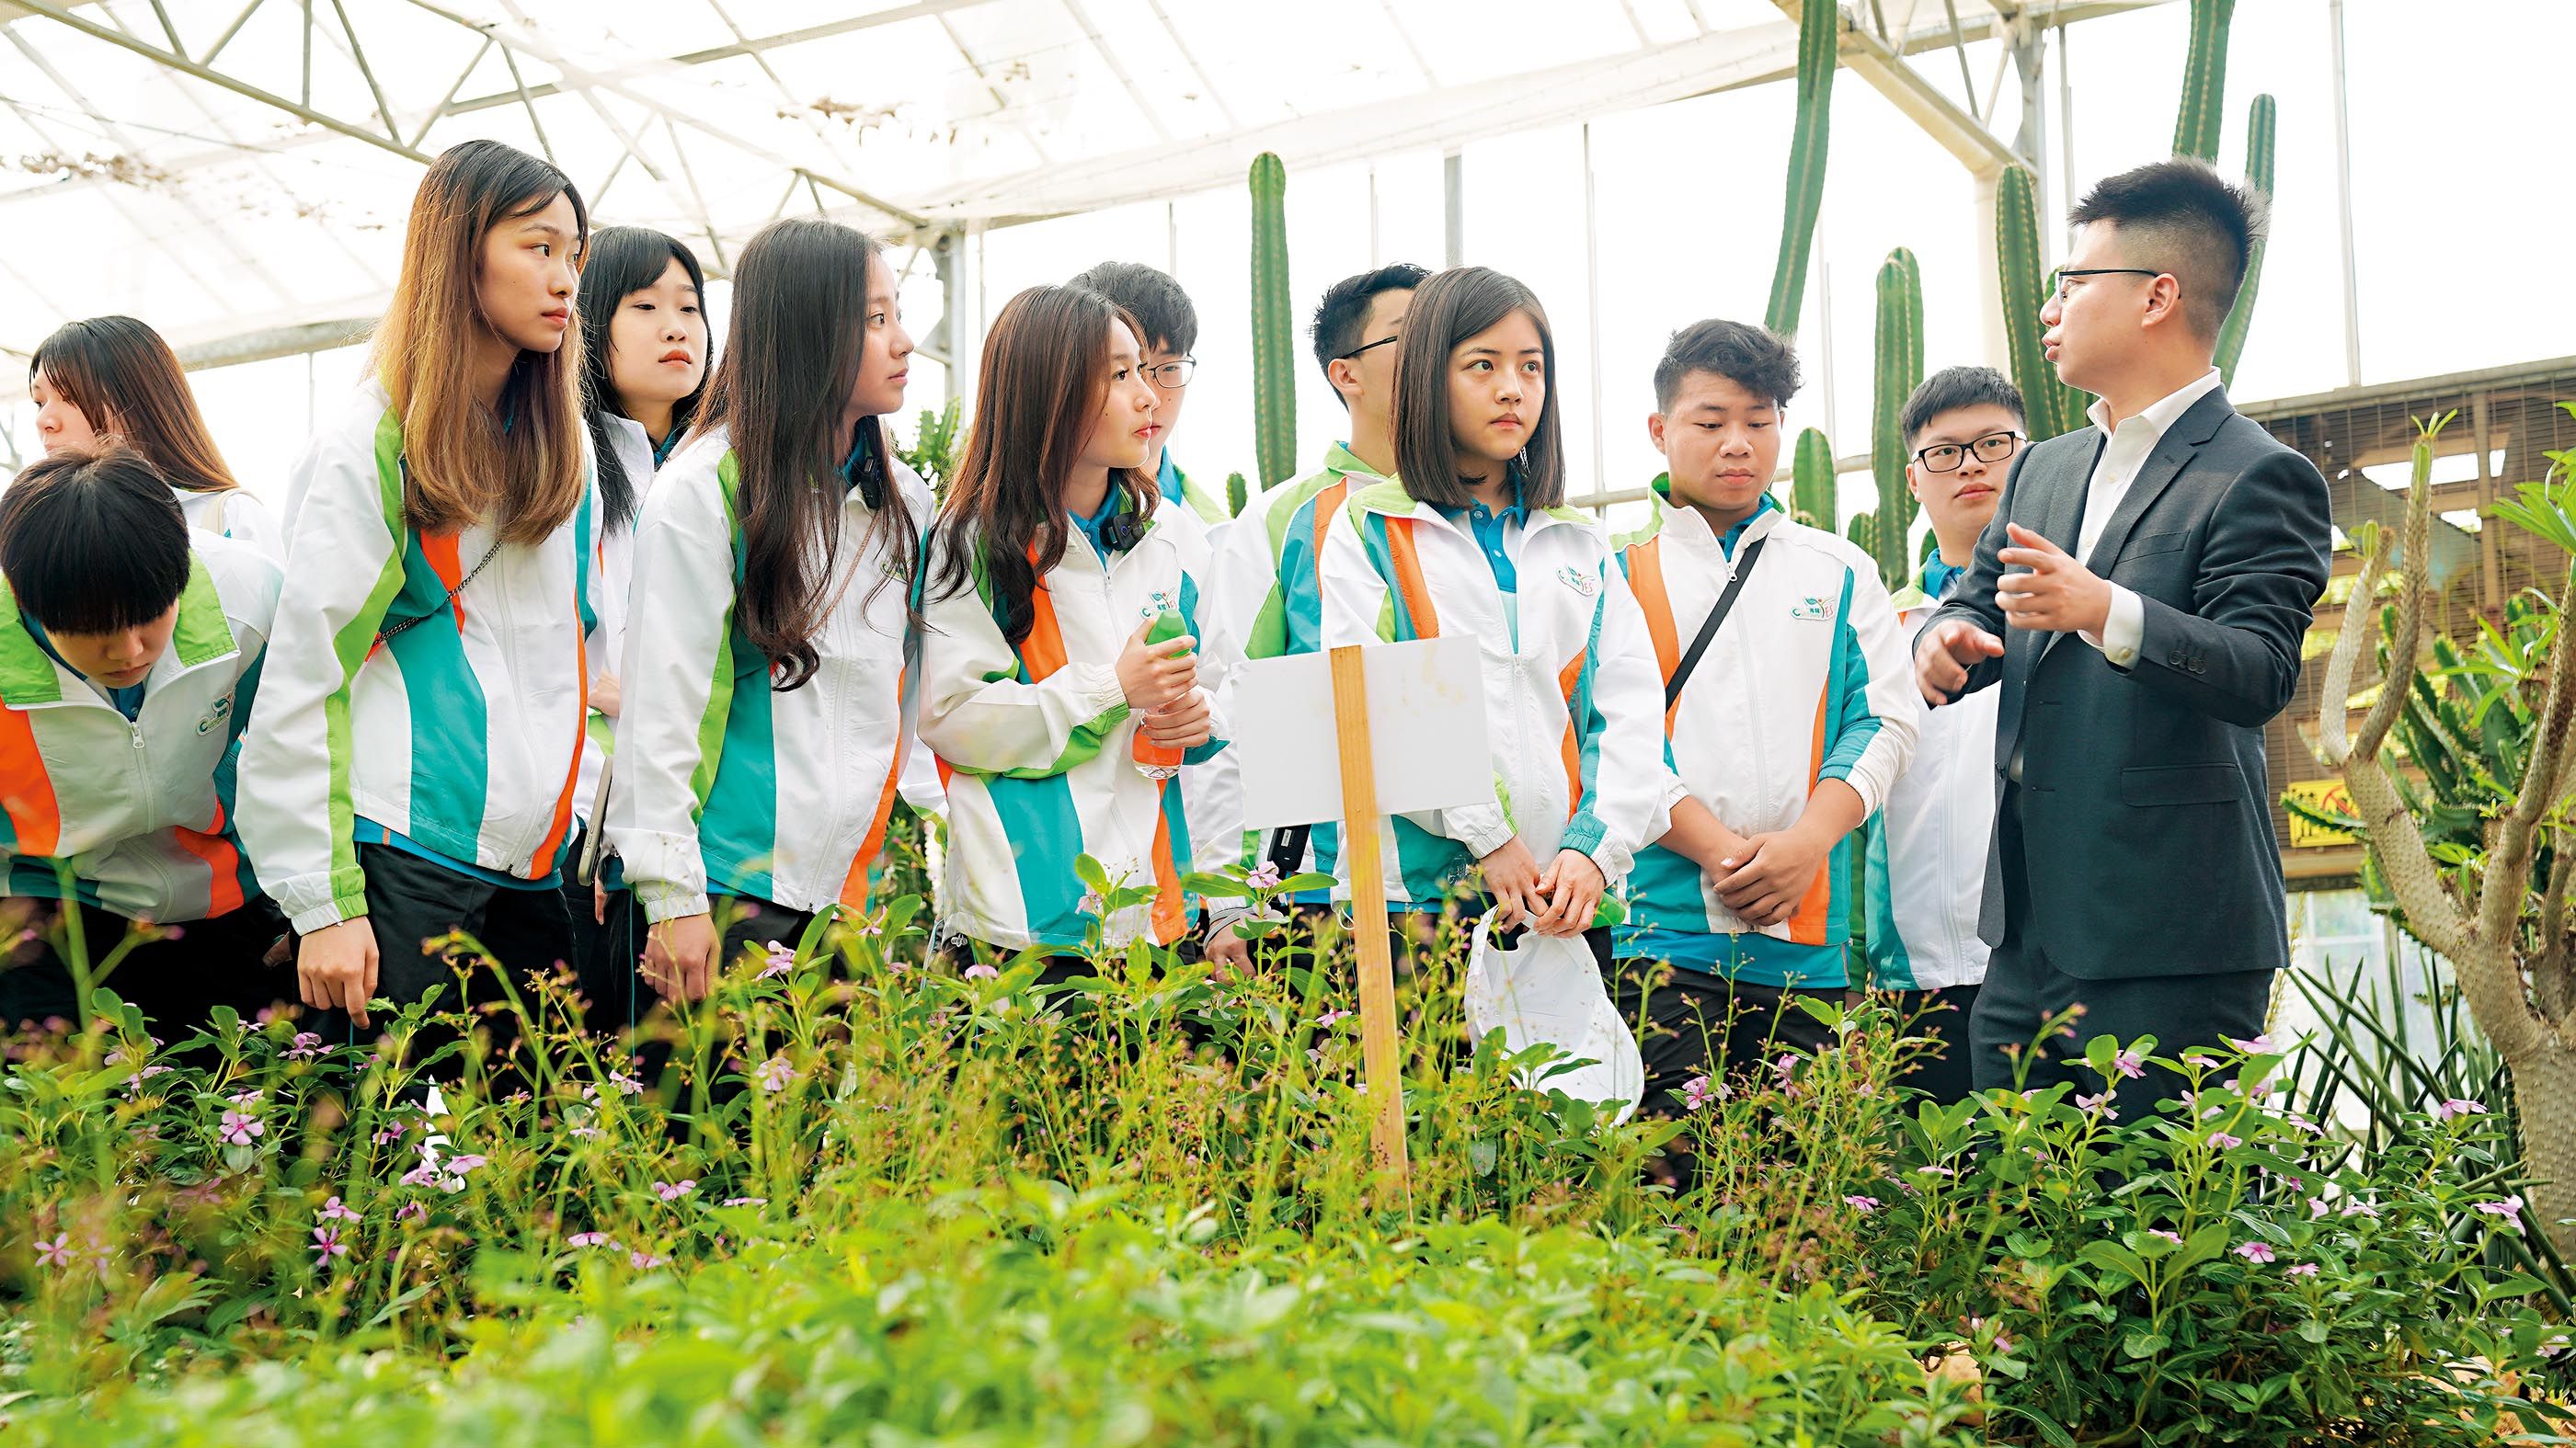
point(1426, 726)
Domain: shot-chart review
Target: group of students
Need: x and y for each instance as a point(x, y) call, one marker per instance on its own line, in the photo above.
point(617, 656)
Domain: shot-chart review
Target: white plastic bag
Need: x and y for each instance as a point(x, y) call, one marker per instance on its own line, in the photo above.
point(1548, 988)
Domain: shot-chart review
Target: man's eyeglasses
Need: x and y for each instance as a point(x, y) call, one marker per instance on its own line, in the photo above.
point(1945, 457)
point(1365, 346)
point(2057, 279)
point(1173, 375)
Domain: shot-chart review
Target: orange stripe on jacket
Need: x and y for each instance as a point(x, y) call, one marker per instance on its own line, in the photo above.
point(1042, 652)
point(562, 825)
point(1409, 582)
point(223, 867)
point(26, 790)
point(854, 886)
point(1327, 506)
point(440, 550)
point(1646, 581)
point(1567, 680)
point(1815, 908)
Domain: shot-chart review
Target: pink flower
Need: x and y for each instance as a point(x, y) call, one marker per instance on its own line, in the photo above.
point(2510, 1209)
point(2302, 1269)
point(244, 1098)
point(2318, 1207)
point(327, 1245)
point(56, 1253)
point(1784, 1067)
point(782, 959)
point(239, 1128)
point(1935, 1171)
point(644, 1261)
point(2254, 1251)
point(2173, 1237)
point(1699, 1091)
point(2456, 1107)
point(333, 1211)
point(1325, 1021)
point(305, 1046)
point(2221, 1141)
point(589, 1239)
point(981, 971)
point(775, 1073)
point(2129, 1064)
point(2355, 1207)
point(673, 1191)
point(2259, 1046)
point(1263, 877)
point(746, 1201)
point(460, 1165)
point(1861, 1204)
point(411, 1212)
point(2199, 1062)
point(2099, 1103)
point(420, 1176)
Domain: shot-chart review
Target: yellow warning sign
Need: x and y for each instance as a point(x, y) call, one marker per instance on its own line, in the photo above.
point(2326, 796)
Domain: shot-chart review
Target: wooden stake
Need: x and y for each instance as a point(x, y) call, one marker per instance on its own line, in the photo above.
point(1368, 915)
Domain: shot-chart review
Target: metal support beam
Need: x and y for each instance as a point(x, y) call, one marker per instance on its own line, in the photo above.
point(2343, 201)
point(1117, 68)
point(1453, 209)
point(958, 257)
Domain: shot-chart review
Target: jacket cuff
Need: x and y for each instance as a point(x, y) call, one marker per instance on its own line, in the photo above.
point(663, 900)
point(1482, 828)
point(326, 915)
point(1098, 688)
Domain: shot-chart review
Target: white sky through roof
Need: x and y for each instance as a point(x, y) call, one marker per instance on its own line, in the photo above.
point(132, 188)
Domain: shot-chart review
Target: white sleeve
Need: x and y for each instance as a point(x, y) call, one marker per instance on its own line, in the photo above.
point(677, 682)
point(1880, 688)
point(1630, 787)
point(977, 714)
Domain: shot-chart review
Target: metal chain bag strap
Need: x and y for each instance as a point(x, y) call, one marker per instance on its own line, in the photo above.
point(449, 602)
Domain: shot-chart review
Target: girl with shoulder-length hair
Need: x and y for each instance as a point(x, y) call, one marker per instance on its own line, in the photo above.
point(769, 663)
point(1062, 724)
point(410, 769)
point(1473, 537)
point(645, 349)
point(113, 377)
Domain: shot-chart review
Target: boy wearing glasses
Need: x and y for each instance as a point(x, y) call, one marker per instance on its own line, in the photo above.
point(1171, 329)
point(1789, 712)
point(1927, 847)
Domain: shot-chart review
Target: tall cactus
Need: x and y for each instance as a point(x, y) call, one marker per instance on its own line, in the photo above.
point(1819, 34)
point(2051, 407)
point(2260, 123)
point(2204, 81)
point(1897, 372)
point(1811, 482)
point(1274, 366)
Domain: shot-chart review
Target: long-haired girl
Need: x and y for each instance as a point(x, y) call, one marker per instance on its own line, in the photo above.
point(1473, 537)
point(1054, 561)
point(769, 694)
point(409, 771)
point(644, 369)
point(114, 377)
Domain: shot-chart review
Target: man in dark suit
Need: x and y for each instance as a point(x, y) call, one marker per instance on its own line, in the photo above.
point(2140, 597)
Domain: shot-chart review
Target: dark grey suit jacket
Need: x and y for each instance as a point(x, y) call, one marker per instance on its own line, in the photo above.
point(2146, 818)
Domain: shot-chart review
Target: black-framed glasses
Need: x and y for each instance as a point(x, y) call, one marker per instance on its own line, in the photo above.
point(1174, 374)
point(2057, 278)
point(1945, 457)
point(1366, 346)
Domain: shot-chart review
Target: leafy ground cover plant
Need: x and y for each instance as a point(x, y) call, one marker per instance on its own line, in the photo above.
point(858, 1195)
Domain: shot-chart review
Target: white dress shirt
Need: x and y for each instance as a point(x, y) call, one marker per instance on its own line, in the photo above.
point(2130, 445)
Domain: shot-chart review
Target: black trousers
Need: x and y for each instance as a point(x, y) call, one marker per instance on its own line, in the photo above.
point(412, 902)
point(1690, 1023)
point(1943, 1071)
point(606, 946)
point(2023, 988)
point(176, 983)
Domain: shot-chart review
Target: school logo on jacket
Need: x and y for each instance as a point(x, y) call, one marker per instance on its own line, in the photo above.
point(215, 714)
point(1584, 584)
point(1811, 607)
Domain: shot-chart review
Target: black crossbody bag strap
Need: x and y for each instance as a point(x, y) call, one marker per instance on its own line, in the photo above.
point(1716, 615)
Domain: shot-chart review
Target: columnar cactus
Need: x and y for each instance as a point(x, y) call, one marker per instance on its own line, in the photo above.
point(2260, 123)
point(1819, 33)
point(1274, 363)
point(2204, 81)
point(1897, 372)
point(2051, 405)
point(1811, 484)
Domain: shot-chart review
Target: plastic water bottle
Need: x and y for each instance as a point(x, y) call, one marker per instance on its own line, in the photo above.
point(1154, 761)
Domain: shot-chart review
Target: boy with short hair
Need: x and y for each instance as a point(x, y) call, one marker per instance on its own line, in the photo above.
point(1785, 734)
point(1171, 326)
point(129, 653)
point(1927, 847)
point(1266, 562)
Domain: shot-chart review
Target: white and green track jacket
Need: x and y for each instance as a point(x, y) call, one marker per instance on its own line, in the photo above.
point(1927, 847)
point(1571, 704)
point(1034, 743)
point(460, 732)
point(724, 784)
point(137, 808)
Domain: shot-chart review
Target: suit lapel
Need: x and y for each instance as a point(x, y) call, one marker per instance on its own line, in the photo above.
point(2195, 427)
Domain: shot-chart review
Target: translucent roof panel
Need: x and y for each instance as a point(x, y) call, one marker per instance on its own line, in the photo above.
point(236, 166)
